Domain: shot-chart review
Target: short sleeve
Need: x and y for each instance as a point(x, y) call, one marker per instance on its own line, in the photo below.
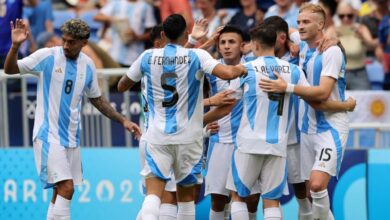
point(294, 37)
point(331, 62)
point(36, 62)
point(134, 72)
point(92, 90)
point(235, 85)
point(207, 62)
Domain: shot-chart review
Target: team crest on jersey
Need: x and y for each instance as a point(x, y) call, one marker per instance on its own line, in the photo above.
point(58, 70)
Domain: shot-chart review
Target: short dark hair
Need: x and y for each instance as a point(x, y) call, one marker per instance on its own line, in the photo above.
point(232, 29)
point(155, 33)
point(76, 28)
point(264, 34)
point(277, 23)
point(331, 4)
point(174, 26)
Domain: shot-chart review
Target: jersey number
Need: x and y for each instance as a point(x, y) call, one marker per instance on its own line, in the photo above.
point(68, 86)
point(170, 88)
point(325, 154)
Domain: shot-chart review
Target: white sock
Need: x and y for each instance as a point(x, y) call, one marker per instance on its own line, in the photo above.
point(168, 212)
point(304, 211)
point(226, 211)
point(330, 215)
point(273, 213)
point(320, 204)
point(239, 211)
point(50, 212)
point(216, 215)
point(252, 215)
point(186, 211)
point(61, 209)
point(150, 207)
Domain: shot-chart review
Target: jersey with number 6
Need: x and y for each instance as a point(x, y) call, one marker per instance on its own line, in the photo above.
point(174, 92)
point(62, 83)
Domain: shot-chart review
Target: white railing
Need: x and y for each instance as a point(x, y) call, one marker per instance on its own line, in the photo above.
point(97, 128)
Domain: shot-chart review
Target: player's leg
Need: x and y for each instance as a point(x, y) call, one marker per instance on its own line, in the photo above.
point(156, 172)
point(218, 162)
point(273, 181)
point(294, 178)
point(252, 202)
point(243, 174)
point(168, 207)
point(329, 152)
point(187, 170)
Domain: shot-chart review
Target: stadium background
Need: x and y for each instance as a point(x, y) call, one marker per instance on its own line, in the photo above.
point(112, 188)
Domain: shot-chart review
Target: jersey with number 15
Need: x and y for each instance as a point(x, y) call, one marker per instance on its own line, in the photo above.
point(62, 83)
point(174, 92)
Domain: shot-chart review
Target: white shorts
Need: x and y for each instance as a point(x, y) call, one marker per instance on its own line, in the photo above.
point(294, 164)
point(249, 169)
point(171, 184)
point(56, 163)
point(185, 160)
point(219, 156)
point(323, 151)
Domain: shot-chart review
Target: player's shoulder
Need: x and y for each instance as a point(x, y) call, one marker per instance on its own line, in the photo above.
point(333, 51)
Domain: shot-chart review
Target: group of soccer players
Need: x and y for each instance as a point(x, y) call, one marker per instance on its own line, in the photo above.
point(274, 117)
point(281, 118)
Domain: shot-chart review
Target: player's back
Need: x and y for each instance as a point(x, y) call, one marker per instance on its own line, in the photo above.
point(263, 126)
point(174, 82)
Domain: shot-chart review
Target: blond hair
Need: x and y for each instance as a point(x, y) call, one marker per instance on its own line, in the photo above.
point(313, 8)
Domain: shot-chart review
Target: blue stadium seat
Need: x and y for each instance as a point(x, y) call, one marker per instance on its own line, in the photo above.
point(375, 74)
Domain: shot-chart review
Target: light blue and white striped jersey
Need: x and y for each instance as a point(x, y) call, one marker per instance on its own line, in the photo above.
point(62, 83)
point(228, 125)
point(174, 92)
point(330, 63)
point(139, 15)
point(261, 129)
point(293, 111)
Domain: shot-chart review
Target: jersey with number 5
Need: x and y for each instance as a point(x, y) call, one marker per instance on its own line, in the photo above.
point(62, 83)
point(174, 92)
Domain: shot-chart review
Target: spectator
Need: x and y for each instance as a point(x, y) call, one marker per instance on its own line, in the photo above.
point(182, 7)
point(248, 16)
point(355, 38)
point(285, 9)
point(329, 7)
point(131, 22)
point(39, 18)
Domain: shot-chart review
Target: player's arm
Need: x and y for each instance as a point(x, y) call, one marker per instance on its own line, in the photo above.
point(218, 113)
point(334, 106)
point(106, 109)
point(19, 33)
point(132, 76)
point(229, 72)
point(221, 98)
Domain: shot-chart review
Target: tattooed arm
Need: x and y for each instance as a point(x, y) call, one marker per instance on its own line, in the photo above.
point(106, 109)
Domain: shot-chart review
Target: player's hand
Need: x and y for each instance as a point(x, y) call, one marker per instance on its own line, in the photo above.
point(277, 85)
point(213, 39)
point(223, 98)
point(200, 29)
point(19, 32)
point(329, 39)
point(133, 128)
point(212, 127)
point(351, 104)
point(294, 49)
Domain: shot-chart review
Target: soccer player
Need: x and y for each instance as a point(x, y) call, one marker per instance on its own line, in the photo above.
point(174, 78)
point(65, 75)
point(323, 134)
point(293, 147)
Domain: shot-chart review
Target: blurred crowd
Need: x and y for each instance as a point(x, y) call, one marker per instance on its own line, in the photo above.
point(120, 28)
